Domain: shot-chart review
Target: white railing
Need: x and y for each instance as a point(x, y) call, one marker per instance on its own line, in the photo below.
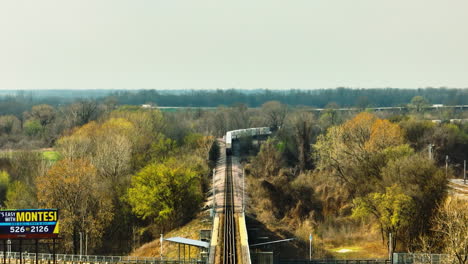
point(421, 258)
point(95, 258)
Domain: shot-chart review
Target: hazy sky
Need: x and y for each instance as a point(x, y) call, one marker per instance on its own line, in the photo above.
point(174, 44)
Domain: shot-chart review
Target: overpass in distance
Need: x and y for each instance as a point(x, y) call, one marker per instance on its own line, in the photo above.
point(382, 108)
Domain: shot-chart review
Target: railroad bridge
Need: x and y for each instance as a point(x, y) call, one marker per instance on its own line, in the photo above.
point(229, 241)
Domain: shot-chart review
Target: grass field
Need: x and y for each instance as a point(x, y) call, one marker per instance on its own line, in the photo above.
point(47, 154)
point(51, 155)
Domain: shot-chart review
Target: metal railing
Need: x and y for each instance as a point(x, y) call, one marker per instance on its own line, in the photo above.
point(420, 258)
point(96, 258)
point(336, 261)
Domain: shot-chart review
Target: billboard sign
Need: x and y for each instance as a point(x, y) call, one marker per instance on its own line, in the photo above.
point(29, 223)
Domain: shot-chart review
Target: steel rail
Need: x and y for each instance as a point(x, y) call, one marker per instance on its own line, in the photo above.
point(229, 248)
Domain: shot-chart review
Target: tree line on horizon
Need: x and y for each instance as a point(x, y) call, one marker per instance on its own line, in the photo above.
point(342, 97)
point(16, 104)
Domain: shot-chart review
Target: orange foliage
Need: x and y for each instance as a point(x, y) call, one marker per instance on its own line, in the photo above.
point(384, 134)
point(371, 133)
point(72, 187)
point(358, 130)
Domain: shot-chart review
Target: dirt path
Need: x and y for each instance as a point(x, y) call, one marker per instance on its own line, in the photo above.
point(459, 188)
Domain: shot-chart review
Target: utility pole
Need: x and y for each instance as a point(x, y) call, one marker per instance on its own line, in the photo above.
point(81, 244)
point(243, 190)
point(86, 243)
point(430, 151)
point(161, 250)
point(9, 247)
point(310, 247)
point(390, 247)
point(214, 193)
point(464, 172)
point(446, 166)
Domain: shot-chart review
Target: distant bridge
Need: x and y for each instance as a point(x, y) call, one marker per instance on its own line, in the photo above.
point(381, 108)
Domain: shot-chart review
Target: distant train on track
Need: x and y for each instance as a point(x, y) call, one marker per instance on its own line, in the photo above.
point(251, 132)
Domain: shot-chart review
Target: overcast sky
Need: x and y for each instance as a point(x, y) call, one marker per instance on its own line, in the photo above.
point(198, 44)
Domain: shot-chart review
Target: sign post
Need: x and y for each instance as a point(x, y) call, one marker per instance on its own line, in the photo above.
point(29, 223)
point(33, 224)
point(161, 250)
point(464, 172)
point(310, 247)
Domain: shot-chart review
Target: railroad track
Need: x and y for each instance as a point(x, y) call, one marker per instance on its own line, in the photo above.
point(229, 241)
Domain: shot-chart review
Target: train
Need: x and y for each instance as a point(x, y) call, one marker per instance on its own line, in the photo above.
point(250, 132)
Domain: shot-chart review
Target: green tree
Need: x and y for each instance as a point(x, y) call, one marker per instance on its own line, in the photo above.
point(418, 103)
point(167, 193)
point(9, 124)
point(392, 209)
point(421, 180)
point(43, 113)
point(20, 196)
point(4, 182)
point(33, 128)
point(417, 132)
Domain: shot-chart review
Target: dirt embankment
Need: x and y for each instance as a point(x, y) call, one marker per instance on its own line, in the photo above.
point(170, 250)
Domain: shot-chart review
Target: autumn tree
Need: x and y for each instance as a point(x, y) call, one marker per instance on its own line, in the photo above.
point(26, 166)
point(354, 151)
point(147, 127)
point(117, 146)
point(302, 124)
point(9, 124)
point(269, 161)
point(452, 223)
point(73, 187)
point(239, 116)
point(113, 150)
point(80, 143)
point(82, 112)
point(108, 146)
point(274, 113)
point(217, 120)
point(43, 113)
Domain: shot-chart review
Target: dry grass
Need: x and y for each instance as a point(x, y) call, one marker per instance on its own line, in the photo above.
point(170, 250)
point(366, 250)
point(335, 234)
point(363, 241)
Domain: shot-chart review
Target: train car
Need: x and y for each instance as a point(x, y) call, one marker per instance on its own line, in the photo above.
point(228, 142)
point(236, 134)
